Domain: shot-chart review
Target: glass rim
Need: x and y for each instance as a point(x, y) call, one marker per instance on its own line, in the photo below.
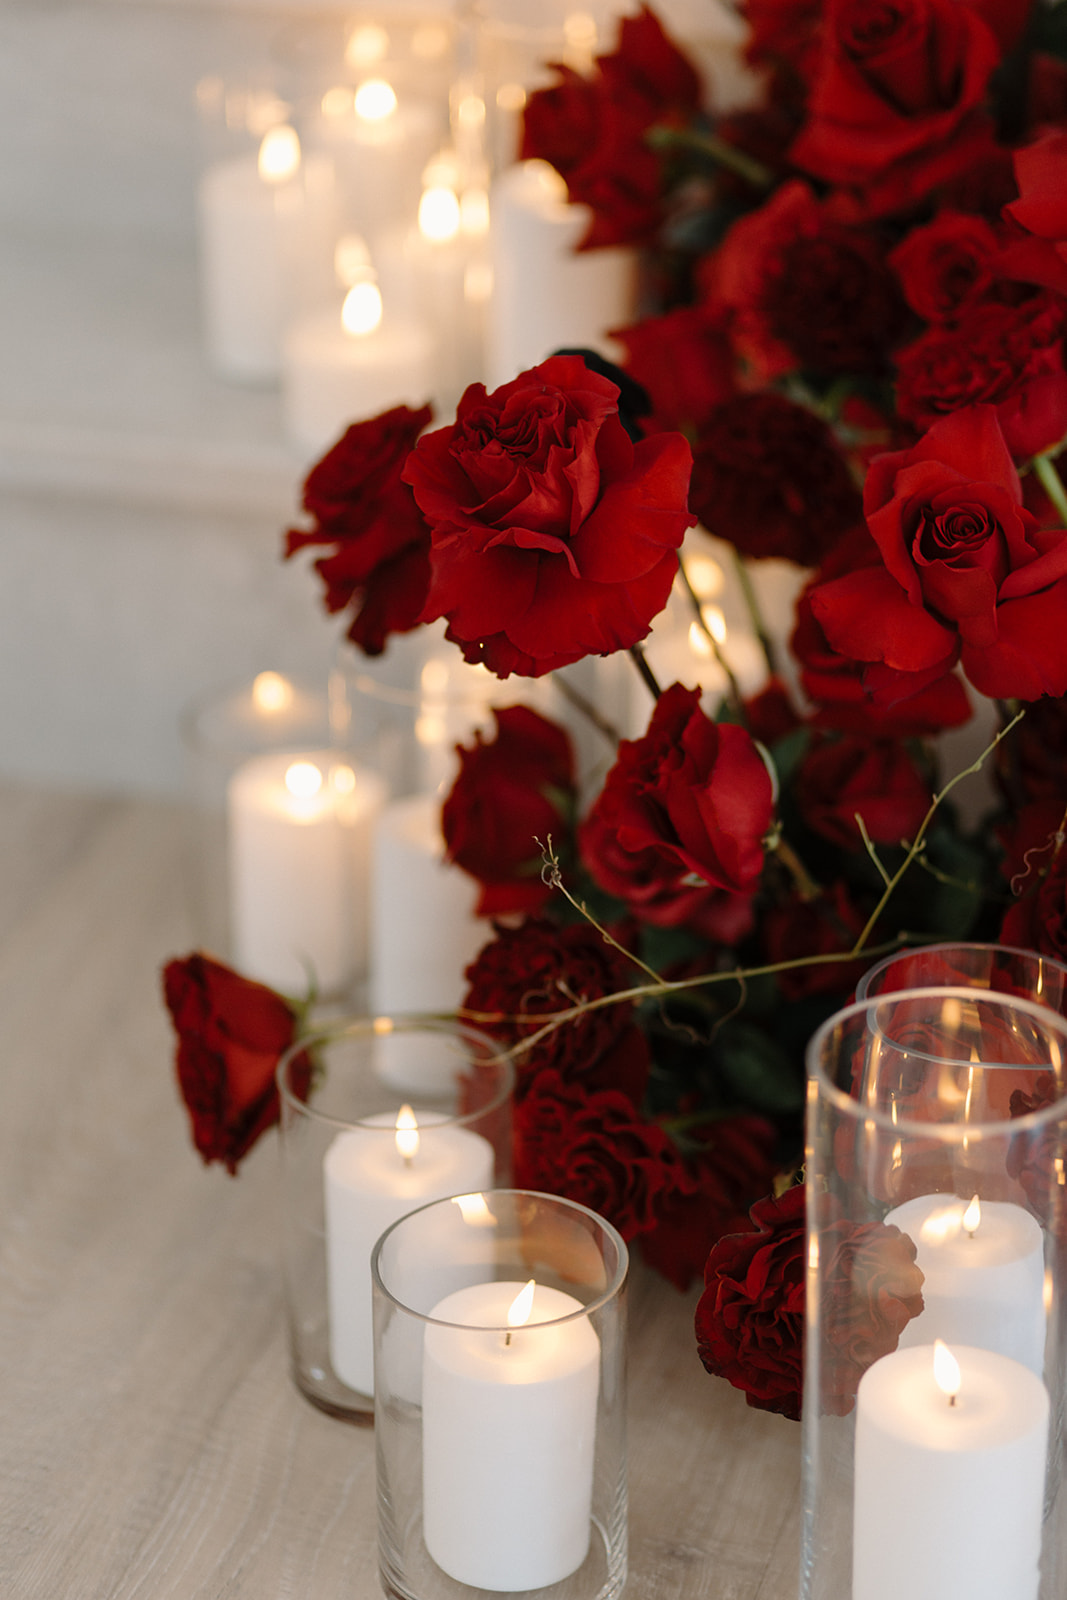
point(365, 1028)
point(954, 944)
point(601, 1224)
point(219, 697)
point(946, 1132)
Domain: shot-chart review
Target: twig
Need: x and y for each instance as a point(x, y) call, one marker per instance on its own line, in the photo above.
point(647, 675)
point(732, 683)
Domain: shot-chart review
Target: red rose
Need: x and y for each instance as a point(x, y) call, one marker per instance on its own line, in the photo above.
point(594, 129)
point(967, 572)
point(231, 1035)
point(510, 793)
point(683, 812)
point(807, 291)
point(946, 265)
point(554, 536)
point(1041, 209)
point(595, 1149)
point(813, 928)
point(733, 1169)
point(875, 777)
point(896, 103)
point(1032, 761)
point(750, 1319)
point(783, 31)
point(684, 361)
point(769, 478)
point(538, 968)
point(770, 715)
point(381, 564)
point(1036, 869)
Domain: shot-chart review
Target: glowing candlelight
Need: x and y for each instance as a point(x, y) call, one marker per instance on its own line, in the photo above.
point(946, 1371)
point(407, 1134)
point(279, 155)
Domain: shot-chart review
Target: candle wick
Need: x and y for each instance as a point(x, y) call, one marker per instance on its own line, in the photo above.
point(952, 1399)
point(407, 1161)
point(507, 1337)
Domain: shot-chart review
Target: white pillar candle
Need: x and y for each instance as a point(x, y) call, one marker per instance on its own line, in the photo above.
point(983, 1281)
point(508, 1437)
point(298, 855)
point(424, 933)
point(948, 1496)
point(370, 1183)
point(545, 295)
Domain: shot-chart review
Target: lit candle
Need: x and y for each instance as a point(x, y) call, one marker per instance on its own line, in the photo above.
point(545, 295)
point(341, 368)
point(949, 1477)
point(508, 1435)
point(374, 1174)
point(983, 1267)
point(424, 933)
point(299, 841)
point(379, 145)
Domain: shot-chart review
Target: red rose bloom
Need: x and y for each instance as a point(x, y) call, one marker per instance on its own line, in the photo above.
point(1006, 356)
point(553, 535)
point(231, 1035)
point(538, 968)
point(684, 362)
point(595, 1149)
point(875, 777)
point(381, 563)
point(967, 572)
point(769, 478)
point(896, 103)
point(946, 265)
point(807, 291)
point(1033, 759)
point(1041, 209)
point(683, 811)
point(813, 928)
point(510, 793)
point(750, 1319)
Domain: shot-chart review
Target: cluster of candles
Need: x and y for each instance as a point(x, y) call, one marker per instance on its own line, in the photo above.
point(952, 1427)
point(383, 267)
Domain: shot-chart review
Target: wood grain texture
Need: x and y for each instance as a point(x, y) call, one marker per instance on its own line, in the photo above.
point(152, 1446)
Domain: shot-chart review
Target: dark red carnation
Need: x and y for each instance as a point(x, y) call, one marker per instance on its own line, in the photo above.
point(819, 927)
point(554, 536)
point(769, 478)
point(596, 1149)
point(1006, 356)
point(1036, 870)
point(946, 265)
point(682, 815)
point(511, 794)
point(807, 291)
point(539, 968)
point(750, 1319)
point(734, 1167)
point(684, 361)
point(594, 129)
point(231, 1035)
point(875, 777)
point(967, 572)
point(381, 562)
point(897, 99)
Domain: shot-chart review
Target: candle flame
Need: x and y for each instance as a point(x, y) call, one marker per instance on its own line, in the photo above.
point(362, 309)
point(1048, 1292)
point(475, 1211)
point(439, 213)
point(271, 692)
point(407, 1133)
point(375, 100)
point(343, 780)
point(520, 1308)
point(715, 622)
point(699, 642)
point(279, 154)
point(705, 575)
point(972, 1217)
point(946, 1370)
point(303, 779)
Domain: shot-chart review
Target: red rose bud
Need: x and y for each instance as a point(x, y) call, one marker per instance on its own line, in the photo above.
point(554, 536)
point(510, 793)
point(231, 1035)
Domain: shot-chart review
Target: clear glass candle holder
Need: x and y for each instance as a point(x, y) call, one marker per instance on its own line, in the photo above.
point(500, 1400)
point(976, 966)
point(933, 1417)
point(359, 1152)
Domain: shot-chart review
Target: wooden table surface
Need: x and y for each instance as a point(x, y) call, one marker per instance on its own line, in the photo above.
point(152, 1445)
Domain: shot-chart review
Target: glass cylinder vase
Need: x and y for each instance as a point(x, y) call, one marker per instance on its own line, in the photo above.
point(976, 966)
point(357, 1153)
point(933, 1418)
point(499, 1327)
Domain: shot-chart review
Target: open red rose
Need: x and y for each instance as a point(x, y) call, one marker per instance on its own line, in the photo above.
point(685, 363)
point(967, 572)
point(510, 792)
point(946, 265)
point(750, 1319)
point(381, 562)
point(683, 812)
point(554, 536)
point(876, 777)
point(231, 1035)
point(539, 967)
point(596, 1149)
point(896, 104)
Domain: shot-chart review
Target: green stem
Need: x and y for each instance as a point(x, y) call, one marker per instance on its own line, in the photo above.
point(1051, 482)
point(648, 677)
point(734, 687)
point(709, 144)
point(577, 699)
point(744, 578)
